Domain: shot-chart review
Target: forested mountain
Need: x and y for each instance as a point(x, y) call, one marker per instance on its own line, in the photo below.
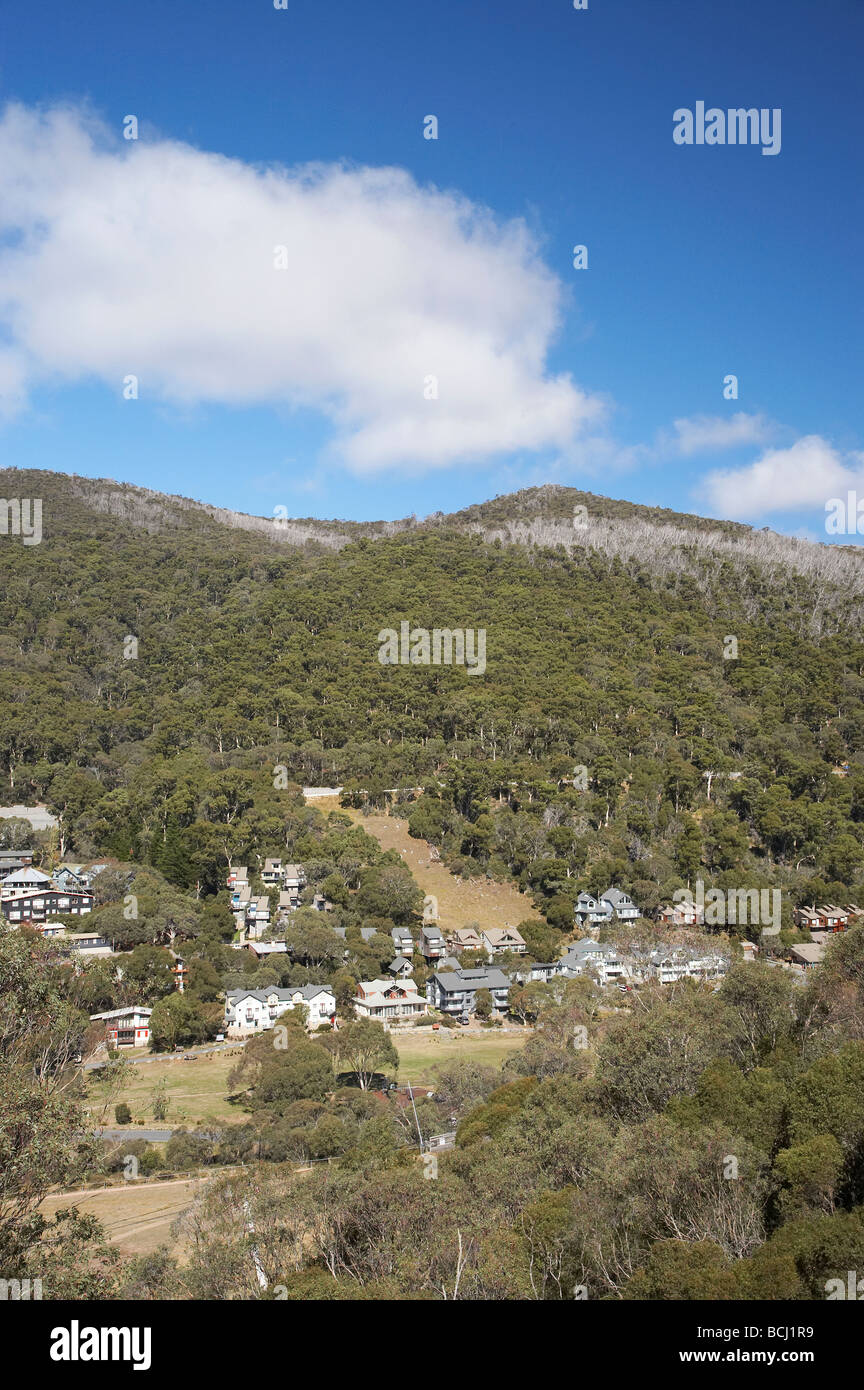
point(664, 699)
point(609, 634)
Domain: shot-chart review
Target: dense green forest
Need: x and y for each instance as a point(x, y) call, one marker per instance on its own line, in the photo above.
point(698, 1144)
point(256, 669)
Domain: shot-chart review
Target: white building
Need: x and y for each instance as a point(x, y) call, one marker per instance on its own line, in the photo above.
point(497, 939)
point(621, 903)
point(249, 1011)
point(587, 956)
point(127, 1027)
point(387, 1000)
point(23, 881)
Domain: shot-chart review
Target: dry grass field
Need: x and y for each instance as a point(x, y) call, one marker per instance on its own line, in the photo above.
point(195, 1092)
point(136, 1217)
point(459, 902)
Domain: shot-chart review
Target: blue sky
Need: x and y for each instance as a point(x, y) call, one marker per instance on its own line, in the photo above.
point(702, 262)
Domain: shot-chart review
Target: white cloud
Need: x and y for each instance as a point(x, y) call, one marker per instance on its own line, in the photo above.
point(803, 476)
point(700, 434)
point(157, 259)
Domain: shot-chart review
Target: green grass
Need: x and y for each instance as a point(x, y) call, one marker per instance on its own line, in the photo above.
point(421, 1054)
point(194, 1090)
point(198, 1091)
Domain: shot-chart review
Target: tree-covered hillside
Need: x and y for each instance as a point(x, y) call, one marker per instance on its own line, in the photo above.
point(608, 649)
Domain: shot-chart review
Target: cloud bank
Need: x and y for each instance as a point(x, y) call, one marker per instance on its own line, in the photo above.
point(799, 478)
point(156, 259)
point(707, 434)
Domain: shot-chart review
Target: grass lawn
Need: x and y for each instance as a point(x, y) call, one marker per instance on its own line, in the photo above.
point(420, 1054)
point(198, 1091)
point(195, 1091)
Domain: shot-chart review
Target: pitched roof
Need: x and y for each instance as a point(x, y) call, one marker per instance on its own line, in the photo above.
point(458, 980)
point(497, 934)
point(27, 876)
point(616, 896)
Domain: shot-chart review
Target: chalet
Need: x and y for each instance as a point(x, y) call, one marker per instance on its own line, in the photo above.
point(252, 1011)
point(72, 876)
point(238, 877)
point(454, 992)
point(84, 943)
point(258, 913)
point(400, 968)
point(289, 900)
point(271, 874)
point(23, 881)
point(50, 930)
point(542, 972)
point(749, 950)
point(321, 904)
point(497, 939)
point(621, 903)
point(587, 957)
point(402, 940)
point(808, 919)
point(241, 896)
point(825, 917)
point(682, 915)
point(37, 905)
point(807, 957)
point(15, 859)
point(669, 964)
point(126, 1027)
point(466, 939)
point(388, 1000)
point(262, 949)
point(833, 918)
point(591, 911)
point(432, 943)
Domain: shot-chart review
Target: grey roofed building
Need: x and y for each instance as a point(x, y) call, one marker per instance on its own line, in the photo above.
point(400, 966)
point(367, 933)
point(544, 972)
point(432, 943)
point(622, 904)
point(25, 878)
point(590, 909)
point(454, 992)
point(808, 955)
point(582, 955)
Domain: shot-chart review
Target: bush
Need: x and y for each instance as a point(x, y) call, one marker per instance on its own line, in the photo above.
point(122, 1113)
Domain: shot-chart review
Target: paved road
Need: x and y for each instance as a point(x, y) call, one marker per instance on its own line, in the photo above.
point(168, 1056)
